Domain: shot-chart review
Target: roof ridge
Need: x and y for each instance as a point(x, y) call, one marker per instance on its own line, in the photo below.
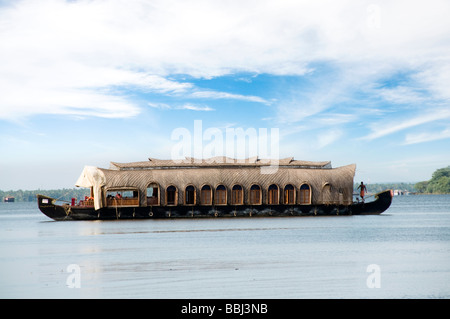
point(218, 160)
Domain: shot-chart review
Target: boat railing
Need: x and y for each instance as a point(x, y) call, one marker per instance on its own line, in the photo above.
point(86, 203)
point(114, 202)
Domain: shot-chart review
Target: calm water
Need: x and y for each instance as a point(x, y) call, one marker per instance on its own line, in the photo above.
point(303, 257)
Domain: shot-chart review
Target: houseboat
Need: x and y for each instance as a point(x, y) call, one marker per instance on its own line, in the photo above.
point(214, 187)
point(9, 199)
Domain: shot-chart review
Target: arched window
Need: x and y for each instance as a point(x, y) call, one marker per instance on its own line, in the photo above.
point(171, 195)
point(289, 194)
point(237, 195)
point(221, 195)
point(274, 198)
point(305, 194)
point(152, 194)
point(255, 195)
point(189, 195)
point(206, 195)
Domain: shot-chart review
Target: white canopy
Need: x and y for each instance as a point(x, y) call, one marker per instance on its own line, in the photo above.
point(93, 177)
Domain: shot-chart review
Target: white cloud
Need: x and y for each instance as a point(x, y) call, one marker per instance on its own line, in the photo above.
point(162, 106)
point(402, 95)
point(328, 137)
point(436, 77)
point(84, 50)
point(426, 137)
point(194, 107)
point(187, 106)
point(225, 95)
point(383, 129)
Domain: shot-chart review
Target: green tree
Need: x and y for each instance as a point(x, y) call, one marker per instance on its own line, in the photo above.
point(442, 172)
point(438, 184)
point(421, 187)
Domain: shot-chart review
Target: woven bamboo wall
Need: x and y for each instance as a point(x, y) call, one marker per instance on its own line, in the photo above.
point(328, 186)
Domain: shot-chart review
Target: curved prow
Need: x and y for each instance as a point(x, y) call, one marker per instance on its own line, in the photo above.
point(385, 199)
point(48, 207)
point(382, 202)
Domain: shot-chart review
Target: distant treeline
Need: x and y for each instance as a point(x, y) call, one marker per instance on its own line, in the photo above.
point(65, 194)
point(438, 184)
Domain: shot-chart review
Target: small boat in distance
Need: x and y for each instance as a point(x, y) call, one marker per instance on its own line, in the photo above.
point(9, 199)
point(215, 187)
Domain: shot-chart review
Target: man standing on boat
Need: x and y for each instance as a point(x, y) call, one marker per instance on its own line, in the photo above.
point(363, 190)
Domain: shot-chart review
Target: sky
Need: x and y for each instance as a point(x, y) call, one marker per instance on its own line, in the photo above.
point(93, 81)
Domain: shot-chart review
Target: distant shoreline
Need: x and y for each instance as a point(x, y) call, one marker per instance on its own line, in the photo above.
point(63, 194)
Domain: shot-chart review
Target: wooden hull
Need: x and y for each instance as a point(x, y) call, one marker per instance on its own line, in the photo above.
point(66, 212)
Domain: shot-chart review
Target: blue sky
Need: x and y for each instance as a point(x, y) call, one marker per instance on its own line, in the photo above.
point(89, 82)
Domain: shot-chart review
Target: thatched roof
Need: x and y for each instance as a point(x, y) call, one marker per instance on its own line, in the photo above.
point(223, 171)
point(319, 176)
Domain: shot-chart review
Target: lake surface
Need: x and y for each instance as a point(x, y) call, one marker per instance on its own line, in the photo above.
point(402, 253)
